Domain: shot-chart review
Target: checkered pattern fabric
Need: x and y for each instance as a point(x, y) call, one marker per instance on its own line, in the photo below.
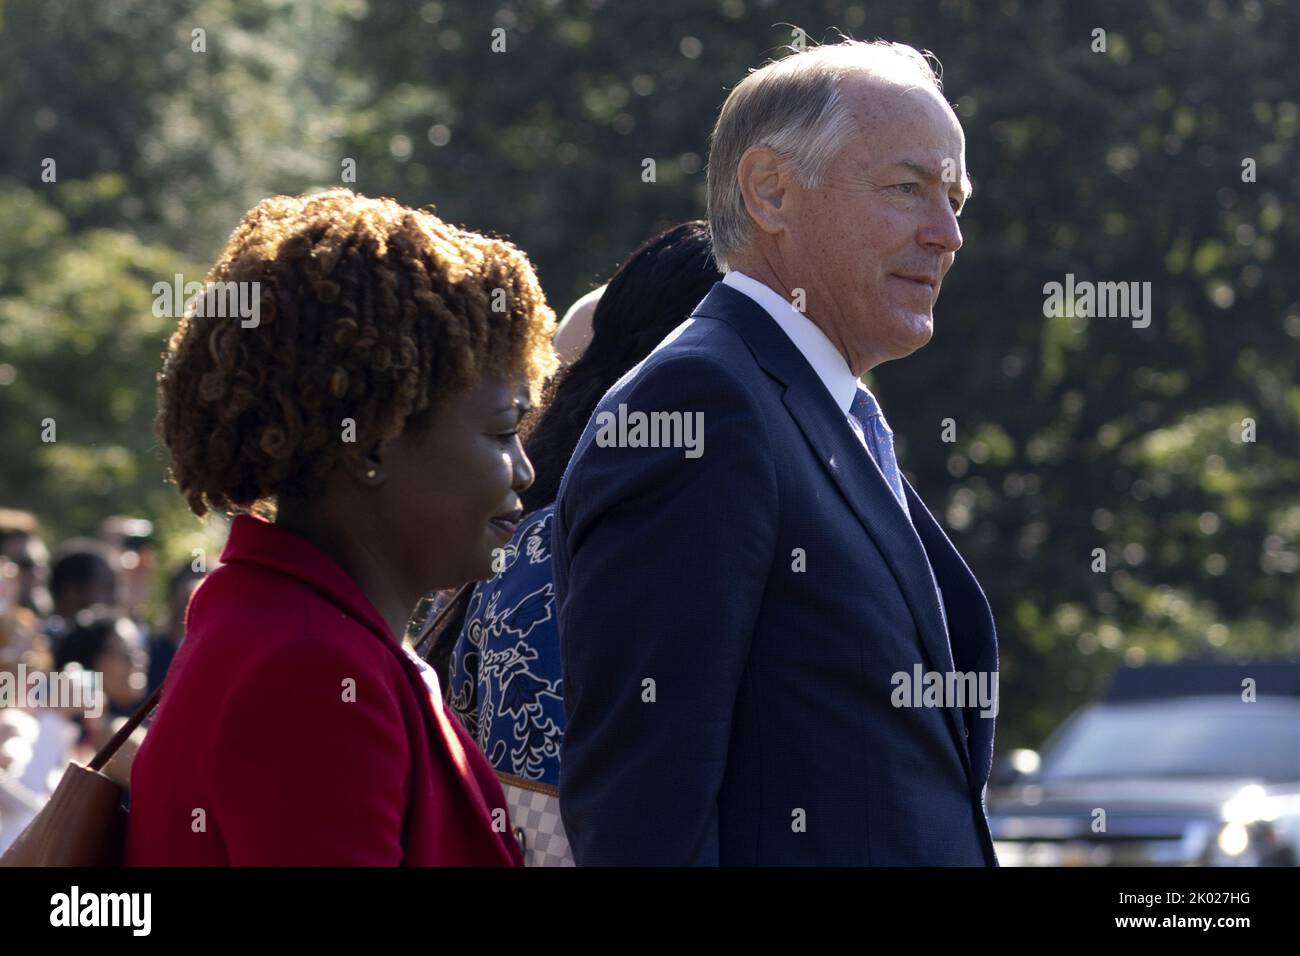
point(535, 817)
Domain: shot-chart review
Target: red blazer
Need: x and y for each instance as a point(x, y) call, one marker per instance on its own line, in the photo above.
point(294, 731)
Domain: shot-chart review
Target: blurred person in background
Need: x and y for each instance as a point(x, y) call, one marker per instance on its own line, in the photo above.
point(364, 433)
point(163, 643)
point(107, 642)
point(82, 576)
point(20, 542)
point(21, 640)
point(504, 670)
point(574, 330)
point(36, 743)
point(135, 560)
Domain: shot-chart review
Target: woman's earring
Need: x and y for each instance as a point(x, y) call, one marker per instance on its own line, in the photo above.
point(370, 473)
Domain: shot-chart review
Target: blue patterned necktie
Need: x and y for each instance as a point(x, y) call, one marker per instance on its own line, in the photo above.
point(880, 439)
point(880, 443)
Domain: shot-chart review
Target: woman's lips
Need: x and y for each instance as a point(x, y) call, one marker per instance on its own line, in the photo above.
point(504, 527)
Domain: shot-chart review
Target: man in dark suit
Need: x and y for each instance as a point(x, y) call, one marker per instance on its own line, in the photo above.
point(750, 593)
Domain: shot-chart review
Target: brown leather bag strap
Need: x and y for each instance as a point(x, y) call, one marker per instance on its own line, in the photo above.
point(106, 752)
point(422, 645)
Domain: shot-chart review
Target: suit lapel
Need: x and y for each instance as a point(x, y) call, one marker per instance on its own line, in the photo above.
point(872, 501)
point(851, 467)
point(973, 634)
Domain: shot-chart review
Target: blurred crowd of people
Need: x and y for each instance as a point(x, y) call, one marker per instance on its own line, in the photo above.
point(89, 606)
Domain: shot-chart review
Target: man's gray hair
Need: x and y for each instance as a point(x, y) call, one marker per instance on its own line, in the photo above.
point(794, 107)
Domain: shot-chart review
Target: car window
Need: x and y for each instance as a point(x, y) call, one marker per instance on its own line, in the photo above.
point(1186, 737)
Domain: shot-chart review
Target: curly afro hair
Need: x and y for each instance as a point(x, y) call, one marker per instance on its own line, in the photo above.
point(369, 311)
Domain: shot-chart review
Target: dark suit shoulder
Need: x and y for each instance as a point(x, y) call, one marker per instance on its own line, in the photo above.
point(698, 352)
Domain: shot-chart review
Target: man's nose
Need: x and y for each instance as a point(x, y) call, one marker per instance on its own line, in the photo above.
point(942, 232)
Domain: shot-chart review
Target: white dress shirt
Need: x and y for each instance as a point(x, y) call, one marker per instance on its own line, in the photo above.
point(429, 675)
point(811, 341)
point(813, 345)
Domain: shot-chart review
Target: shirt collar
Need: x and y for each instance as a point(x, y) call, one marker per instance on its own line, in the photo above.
point(810, 340)
point(428, 673)
point(254, 540)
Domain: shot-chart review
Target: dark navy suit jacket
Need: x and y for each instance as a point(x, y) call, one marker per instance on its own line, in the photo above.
point(727, 704)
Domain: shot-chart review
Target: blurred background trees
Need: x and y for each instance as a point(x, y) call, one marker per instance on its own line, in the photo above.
point(1071, 434)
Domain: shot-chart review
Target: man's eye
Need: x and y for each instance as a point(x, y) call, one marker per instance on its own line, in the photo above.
point(956, 206)
point(909, 188)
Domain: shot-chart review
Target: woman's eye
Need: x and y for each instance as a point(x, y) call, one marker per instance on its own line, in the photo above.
point(506, 437)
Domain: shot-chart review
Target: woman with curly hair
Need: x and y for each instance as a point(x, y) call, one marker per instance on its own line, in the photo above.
point(363, 432)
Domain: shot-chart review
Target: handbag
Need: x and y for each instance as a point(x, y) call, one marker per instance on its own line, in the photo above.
point(534, 809)
point(84, 821)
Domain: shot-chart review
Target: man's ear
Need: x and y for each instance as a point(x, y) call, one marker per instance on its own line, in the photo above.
point(764, 184)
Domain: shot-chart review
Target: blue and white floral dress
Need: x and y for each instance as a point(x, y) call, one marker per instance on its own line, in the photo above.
point(504, 683)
